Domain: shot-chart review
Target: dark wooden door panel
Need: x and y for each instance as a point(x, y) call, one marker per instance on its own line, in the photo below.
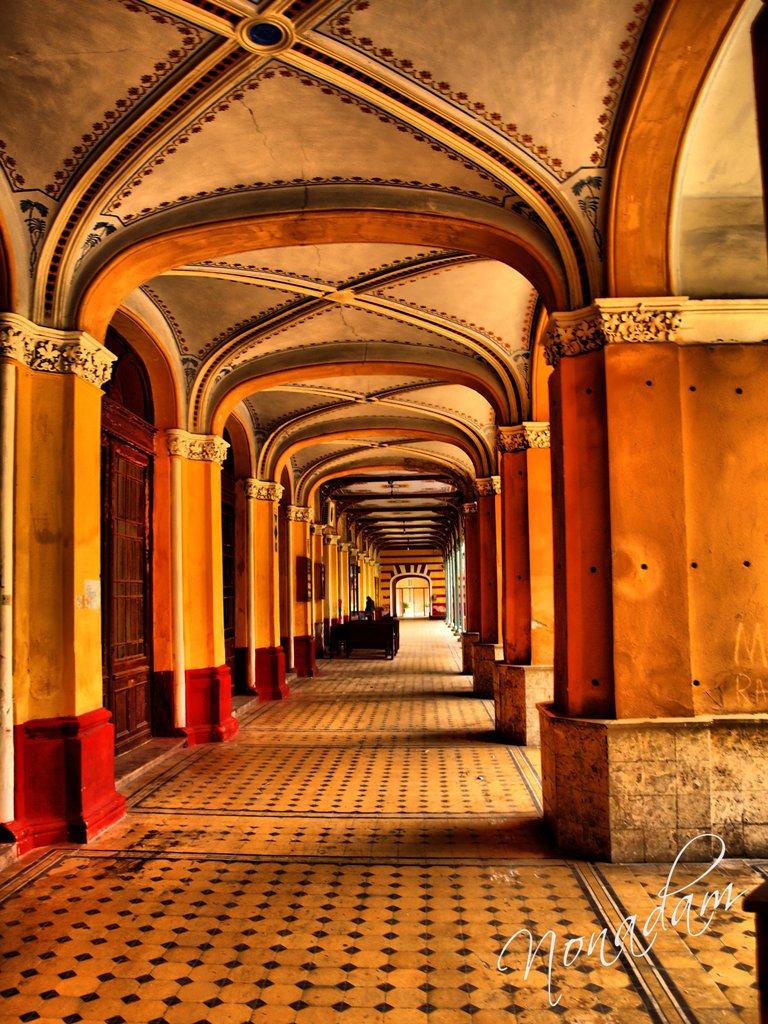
point(126, 590)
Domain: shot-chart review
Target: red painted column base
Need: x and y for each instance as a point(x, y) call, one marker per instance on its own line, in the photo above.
point(65, 780)
point(270, 673)
point(304, 655)
point(209, 706)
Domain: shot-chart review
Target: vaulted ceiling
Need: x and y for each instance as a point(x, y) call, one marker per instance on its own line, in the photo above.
point(340, 223)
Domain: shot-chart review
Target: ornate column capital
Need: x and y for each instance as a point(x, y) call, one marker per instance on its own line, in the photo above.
point(317, 529)
point(299, 514)
point(531, 434)
point(486, 486)
point(262, 490)
point(197, 447)
point(469, 508)
point(611, 322)
point(329, 537)
point(344, 546)
point(52, 351)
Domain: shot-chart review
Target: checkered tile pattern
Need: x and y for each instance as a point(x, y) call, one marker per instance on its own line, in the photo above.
point(362, 852)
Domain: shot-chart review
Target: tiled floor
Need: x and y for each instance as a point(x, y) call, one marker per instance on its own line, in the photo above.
point(361, 852)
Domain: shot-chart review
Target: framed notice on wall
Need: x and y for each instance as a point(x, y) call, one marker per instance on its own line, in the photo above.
point(303, 578)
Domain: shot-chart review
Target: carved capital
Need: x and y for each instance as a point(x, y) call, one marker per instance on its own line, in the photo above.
point(52, 351)
point(298, 514)
point(612, 322)
point(197, 447)
point(329, 537)
point(572, 334)
point(524, 436)
point(262, 490)
point(317, 530)
point(487, 486)
point(469, 508)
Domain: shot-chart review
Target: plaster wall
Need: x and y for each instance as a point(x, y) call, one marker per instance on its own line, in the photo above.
point(57, 603)
point(726, 468)
point(203, 572)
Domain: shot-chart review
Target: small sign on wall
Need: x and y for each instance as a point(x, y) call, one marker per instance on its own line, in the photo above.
point(91, 596)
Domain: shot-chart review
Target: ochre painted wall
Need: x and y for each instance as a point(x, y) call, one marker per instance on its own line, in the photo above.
point(57, 622)
point(162, 599)
point(265, 528)
point(540, 540)
point(203, 573)
point(647, 522)
point(726, 487)
point(688, 465)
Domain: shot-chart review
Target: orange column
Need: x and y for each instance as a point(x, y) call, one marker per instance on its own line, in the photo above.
point(526, 500)
point(303, 618)
point(488, 491)
point(378, 597)
point(318, 586)
point(344, 581)
point(57, 738)
point(203, 706)
point(489, 524)
point(515, 555)
point(472, 584)
point(540, 546)
point(659, 468)
point(270, 658)
point(582, 537)
point(331, 563)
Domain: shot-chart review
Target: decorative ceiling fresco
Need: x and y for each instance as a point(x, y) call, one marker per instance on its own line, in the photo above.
point(342, 224)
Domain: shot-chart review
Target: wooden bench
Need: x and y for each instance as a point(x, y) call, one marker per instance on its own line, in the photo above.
point(381, 634)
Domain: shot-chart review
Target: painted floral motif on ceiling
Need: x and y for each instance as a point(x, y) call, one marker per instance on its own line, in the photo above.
point(496, 189)
point(190, 38)
point(275, 271)
point(341, 26)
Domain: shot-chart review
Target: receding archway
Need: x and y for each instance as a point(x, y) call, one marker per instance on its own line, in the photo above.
point(411, 596)
point(649, 142)
point(145, 258)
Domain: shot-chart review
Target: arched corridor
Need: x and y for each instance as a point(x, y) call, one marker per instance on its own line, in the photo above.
point(359, 852)
point(325, 319)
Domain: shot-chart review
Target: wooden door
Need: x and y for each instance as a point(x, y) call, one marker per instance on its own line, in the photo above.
point(126, 600)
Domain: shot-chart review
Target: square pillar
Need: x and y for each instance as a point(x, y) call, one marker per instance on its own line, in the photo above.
point(202, 680)
point(636, 790)
point(484, 661)
point(57, 776)
point(517, 692)
point(299, 521)
point(269, 655)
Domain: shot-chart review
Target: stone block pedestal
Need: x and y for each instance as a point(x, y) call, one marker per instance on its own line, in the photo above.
point(468, 641)
point(517, 690)
point(484, 657)
point(636, 790)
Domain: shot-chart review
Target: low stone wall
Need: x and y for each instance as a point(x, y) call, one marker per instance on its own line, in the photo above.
point(468, 641)
point(484, 658)
point(518, 689)
point(634, 790)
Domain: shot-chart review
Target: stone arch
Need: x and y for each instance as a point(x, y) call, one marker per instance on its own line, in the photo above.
point(167, 396)
point(6, 271)
point(145, 258)
point(679, 54)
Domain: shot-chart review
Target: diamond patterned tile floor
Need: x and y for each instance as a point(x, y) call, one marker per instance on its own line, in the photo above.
point(362, 852)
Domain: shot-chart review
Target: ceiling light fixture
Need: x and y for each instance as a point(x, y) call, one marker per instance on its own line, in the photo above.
point(267, 34)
